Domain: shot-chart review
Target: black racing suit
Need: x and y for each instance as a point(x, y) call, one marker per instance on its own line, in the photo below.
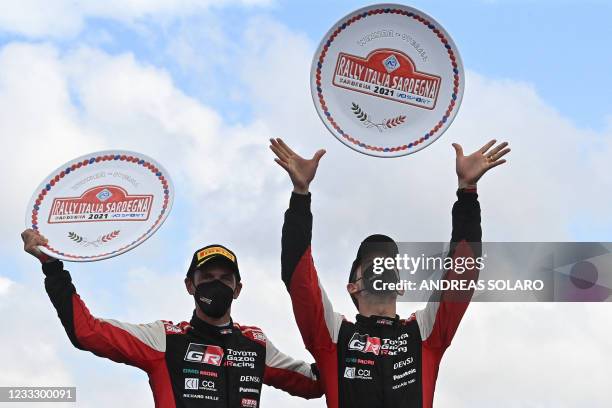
point(189, 364)
point(376, 362)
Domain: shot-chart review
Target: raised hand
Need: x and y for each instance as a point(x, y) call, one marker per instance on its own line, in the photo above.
point(471, 168)
point(32, 239)
point(301, 171)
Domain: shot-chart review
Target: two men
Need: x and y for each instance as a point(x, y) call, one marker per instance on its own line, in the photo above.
point(380, 360)
point(210, 361)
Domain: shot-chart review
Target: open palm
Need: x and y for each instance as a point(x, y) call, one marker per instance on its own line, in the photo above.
point(301, 171)
point(471, 168)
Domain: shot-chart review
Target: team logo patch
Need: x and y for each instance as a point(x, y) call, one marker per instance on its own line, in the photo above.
point(204, 354)
point(241, 358)
point(365, 343)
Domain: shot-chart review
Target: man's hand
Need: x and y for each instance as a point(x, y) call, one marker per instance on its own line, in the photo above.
point(471, 168)
point(301, 171)
point(32, 239)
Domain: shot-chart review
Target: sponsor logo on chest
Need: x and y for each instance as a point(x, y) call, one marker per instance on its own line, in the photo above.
point(200, 385)
point(365, 343)
point(377, 346)
point(204, 354)
point(248, 403)
point(354, 373)
point(204, 373)
point(362, 361)
point(240, 358)
point(250, 378)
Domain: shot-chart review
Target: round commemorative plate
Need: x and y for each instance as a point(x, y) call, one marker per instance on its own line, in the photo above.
point(387, 80)
point(100, 205)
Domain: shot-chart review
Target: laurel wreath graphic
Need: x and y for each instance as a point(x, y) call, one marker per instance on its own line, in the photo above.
point(108, 237)
point(368, 123)
point(99, 241)
point(75, 237)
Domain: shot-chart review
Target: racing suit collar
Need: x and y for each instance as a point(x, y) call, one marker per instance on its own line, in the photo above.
point(375, 320)
point(204, 328)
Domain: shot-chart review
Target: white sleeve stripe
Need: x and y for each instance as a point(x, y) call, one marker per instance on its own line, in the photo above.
point(333, 320)
point(151, 334)
point(426, 318)
point(276, 359)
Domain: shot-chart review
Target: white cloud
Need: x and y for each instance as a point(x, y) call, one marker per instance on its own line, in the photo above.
point(87, 101)
point(5, 284)
point(22, 357)
point(517, 355)
point(55, 106)
point(66, 18)
point(35, 350)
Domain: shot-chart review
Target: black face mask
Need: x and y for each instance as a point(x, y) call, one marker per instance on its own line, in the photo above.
point(214, 298)
point(370, 278)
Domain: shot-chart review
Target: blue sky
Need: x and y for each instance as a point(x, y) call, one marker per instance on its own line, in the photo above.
point(561, 47)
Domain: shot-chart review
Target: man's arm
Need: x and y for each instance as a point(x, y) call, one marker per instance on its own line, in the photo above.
point(440, 319)
point(140, 345)
point(293, 376)
point(314, 314)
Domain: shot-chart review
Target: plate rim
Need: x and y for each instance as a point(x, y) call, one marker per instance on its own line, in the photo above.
point(339, 23)
point(121, 152)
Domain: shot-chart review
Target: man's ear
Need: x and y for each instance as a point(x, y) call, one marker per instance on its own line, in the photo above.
point(352, 288)
point(237, 290)
point(190, 287)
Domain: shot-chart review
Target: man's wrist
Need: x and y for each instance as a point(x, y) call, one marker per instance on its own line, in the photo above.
point(466, 185)
point(300, 190)
point(44, 258)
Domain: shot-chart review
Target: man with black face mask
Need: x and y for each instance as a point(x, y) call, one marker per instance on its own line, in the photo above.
point(209, 361)
point(374, 285)
point(380, 360)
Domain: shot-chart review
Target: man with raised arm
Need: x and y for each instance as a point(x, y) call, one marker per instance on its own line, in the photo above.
point(380, 360)
point(208, 362)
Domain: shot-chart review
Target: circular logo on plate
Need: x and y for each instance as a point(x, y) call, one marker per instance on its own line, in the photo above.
point(387, 80)
point(100, 205)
